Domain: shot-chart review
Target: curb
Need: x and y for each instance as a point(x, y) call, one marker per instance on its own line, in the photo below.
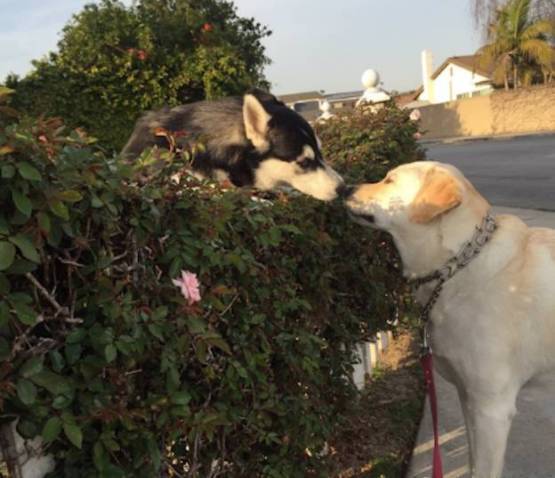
point(500, 137)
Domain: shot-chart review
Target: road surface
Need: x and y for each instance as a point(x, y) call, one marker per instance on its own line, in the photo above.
point(515, 172)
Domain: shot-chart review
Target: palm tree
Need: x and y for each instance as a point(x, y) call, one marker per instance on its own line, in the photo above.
point(517, 44)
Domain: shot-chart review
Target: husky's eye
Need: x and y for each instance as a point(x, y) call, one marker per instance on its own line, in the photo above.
point(305, 163)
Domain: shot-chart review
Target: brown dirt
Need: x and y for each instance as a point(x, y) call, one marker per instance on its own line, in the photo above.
point(377, 439)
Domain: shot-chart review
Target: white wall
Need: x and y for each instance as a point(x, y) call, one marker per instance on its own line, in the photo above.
point(454, 81)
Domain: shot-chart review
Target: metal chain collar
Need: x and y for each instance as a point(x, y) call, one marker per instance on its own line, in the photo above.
point(467, 253)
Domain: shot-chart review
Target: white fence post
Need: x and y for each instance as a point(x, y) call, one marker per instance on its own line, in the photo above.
point(24, 458)
point(369, 354)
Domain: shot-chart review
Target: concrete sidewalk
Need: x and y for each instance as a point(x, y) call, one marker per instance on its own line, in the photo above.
point(531, 448)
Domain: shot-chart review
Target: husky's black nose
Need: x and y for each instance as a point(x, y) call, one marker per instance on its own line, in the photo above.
point(344, 191)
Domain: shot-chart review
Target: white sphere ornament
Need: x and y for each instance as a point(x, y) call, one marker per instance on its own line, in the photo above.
point(372, 94)
point(325, 108)
point(370, 79)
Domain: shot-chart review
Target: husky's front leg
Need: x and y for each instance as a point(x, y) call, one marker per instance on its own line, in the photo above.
point(488, 421)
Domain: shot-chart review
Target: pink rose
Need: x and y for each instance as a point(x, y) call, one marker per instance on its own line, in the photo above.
point(415, 115)
point(417, 135)
point(189, 285)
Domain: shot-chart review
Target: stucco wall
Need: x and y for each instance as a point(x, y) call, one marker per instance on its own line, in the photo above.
point(522, 111)
point(526, 110)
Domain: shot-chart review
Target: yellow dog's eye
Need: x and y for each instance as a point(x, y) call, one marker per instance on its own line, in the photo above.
point(387, 180)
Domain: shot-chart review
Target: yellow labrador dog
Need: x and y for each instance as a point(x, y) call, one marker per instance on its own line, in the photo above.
point(492, 326)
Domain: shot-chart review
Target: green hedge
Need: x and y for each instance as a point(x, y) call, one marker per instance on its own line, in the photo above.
point(106, 360)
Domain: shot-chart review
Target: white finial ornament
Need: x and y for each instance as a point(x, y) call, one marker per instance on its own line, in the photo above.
point(372, 93)
point(370, 79)
point(325, 108)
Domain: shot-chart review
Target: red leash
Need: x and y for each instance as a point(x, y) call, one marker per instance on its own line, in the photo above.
point(428, 366)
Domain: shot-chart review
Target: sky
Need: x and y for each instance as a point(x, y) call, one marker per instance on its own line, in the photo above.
point(315, 45)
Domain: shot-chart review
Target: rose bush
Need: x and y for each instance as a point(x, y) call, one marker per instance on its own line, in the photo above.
point(123, 375)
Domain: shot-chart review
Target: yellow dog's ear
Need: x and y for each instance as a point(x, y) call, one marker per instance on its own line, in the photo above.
point(439, 193)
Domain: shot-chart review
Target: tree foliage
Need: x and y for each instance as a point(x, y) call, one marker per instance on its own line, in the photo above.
point(113, 62)
point(517, 45)
point(484, 11)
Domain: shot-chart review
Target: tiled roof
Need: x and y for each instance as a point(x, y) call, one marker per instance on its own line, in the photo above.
point(469, 62)
point(347, 95)
point(304, 96)
point(406, 97)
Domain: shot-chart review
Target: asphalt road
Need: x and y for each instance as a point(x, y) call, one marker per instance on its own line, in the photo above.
point(516, 172)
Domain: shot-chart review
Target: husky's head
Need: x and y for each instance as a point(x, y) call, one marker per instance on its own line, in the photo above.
point(289, 150)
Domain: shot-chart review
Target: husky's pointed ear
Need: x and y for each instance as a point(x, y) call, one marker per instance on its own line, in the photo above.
point(256, 120)
point(264, 96)
point(440, 192)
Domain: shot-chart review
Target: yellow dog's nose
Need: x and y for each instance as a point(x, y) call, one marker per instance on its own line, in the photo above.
point(344, 191)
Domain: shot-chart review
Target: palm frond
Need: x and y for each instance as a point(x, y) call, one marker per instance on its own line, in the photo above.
point(537, 50)
point(518, 12)
point(515, 42)
point(537, 29)
point(527, 76)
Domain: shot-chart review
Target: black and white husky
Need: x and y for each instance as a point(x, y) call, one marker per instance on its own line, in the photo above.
point(254, 140)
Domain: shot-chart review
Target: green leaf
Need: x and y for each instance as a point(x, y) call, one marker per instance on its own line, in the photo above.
point(196, 325)
point(31, 367)
point(8, 171)
point(25, 313)
point(57, 360)
point(156, 330)
point(153, 451)
point(73, 433)
point(70, 196)
point(217, 341)
point(110, 353)
point(72, 353)
point(96, 202)
point(4, 313)
point(28, 172)
point(4, 349)
point(76, 336)
point(26, 391)
point(4, 226)
point(160, 313)
point(26, 247)
point(59, 208)
point(27, 428)
point(99, 456)
point(61, 402)
point(21, 266)
point(180, 398)
point(51, 429)
point(7, 255)
point(54, 383)
point(5, 285)
point(44, 222)
point(22, 297)
point(22, 203)
point(112, 471)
